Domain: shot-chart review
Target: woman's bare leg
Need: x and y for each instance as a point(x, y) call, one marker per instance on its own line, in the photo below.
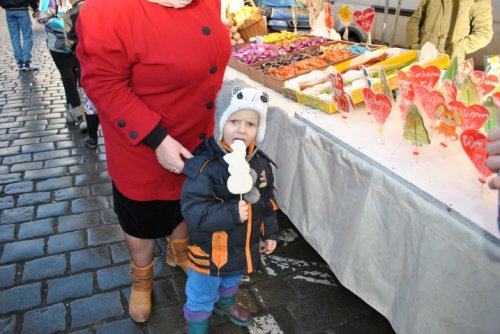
point(141, 250)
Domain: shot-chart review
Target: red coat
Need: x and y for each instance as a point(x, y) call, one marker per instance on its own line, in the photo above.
point(142, 64)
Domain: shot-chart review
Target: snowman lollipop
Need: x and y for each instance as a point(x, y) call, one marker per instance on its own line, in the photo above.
point(240, 181)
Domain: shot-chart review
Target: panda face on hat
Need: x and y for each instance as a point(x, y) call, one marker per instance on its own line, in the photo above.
point(236, 96)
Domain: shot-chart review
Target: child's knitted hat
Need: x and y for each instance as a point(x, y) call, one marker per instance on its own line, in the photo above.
point(236, 95)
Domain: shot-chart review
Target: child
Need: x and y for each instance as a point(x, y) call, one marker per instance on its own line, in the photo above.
point(224, 231)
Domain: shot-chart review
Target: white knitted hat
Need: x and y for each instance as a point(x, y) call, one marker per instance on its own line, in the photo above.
point(236, 95)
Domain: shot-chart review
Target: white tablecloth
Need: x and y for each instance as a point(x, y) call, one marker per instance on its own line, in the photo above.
point(427, 266)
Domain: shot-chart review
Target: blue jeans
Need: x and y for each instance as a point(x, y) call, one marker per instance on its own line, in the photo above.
point(19, 21)
point(204, 291)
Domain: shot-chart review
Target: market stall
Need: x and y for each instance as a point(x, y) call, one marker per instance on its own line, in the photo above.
point(415, 240)
point(389, 190)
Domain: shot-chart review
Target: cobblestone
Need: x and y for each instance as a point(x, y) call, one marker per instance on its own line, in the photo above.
point(49, 266)
point(69, 287)
point(59, 243)
point(64, 264)
point(45, 320)
point(36, 228)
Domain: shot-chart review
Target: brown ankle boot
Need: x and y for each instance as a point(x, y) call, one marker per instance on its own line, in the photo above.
point(139, 306)
point(177, 253)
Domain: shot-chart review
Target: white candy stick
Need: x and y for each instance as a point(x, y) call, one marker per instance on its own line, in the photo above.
point(240, 181)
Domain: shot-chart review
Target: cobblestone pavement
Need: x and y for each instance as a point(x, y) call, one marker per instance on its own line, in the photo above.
point(63, 261)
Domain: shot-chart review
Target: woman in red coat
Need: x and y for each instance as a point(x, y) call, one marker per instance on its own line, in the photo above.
point(153, 69)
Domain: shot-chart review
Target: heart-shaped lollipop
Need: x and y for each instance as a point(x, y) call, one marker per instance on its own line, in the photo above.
point(473, 116)
point(426, 76)
point(429, 99)
point(474, 144)
point(379, 105)
point(364, 18)
point(484, 83)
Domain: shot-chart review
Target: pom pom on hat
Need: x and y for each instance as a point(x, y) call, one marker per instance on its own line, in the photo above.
point(236, 95)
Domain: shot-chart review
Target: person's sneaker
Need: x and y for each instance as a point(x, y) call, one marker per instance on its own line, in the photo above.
point(20, 65)
point(27, 67)
point(90, 143)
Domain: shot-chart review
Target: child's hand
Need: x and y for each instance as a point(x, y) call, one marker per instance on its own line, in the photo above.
point(270, 246)
point(243, 209)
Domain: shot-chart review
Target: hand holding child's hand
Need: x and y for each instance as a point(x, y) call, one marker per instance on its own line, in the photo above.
point(270, 246)
point(243, 209)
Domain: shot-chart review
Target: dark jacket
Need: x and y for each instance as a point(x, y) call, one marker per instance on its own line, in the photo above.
point(70, 17)
point(219, 243)
point(18, 4)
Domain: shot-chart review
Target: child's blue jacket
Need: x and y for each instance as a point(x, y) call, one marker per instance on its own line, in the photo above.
point(219, 243)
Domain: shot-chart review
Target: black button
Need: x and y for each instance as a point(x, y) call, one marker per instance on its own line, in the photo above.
point(210, 105)
point(213, 69)
point(206, 31)
point(122, 123)
point(202, 136)
point(132, 134)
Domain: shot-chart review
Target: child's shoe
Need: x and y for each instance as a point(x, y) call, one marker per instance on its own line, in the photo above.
point(90, 143)
point(237, 314)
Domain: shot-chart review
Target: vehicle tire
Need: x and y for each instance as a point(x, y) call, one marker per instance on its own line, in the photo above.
point(353, 35)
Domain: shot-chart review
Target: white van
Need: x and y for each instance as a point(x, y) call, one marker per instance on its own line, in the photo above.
point(395, 33)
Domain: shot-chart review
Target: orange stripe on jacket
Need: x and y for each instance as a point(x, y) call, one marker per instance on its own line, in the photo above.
point(247, 241)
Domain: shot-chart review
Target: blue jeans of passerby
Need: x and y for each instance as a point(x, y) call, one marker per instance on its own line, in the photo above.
point(204, 291)
point(19, 21)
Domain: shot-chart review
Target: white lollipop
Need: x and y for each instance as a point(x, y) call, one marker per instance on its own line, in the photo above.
point(240, 181)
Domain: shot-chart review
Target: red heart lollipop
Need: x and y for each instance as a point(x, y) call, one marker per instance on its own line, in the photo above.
point(379, 104)
point(484, 83)
point(364, 18)
point(429, 99)
point(425, 76)
point(473, 116)
point(474, 144)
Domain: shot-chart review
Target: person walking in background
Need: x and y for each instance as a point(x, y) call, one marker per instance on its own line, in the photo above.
point(152, 69)
point(19, 21)
point(51, 13)
point(225, 231)
point(71, 40)
point(457, 28)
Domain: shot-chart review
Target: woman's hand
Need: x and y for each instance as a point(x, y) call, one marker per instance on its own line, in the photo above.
point(172, 3)
point(171, 154)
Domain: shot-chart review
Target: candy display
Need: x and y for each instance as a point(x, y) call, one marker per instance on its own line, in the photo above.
point(253, 53)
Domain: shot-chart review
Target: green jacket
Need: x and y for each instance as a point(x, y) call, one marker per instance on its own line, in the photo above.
point(455, 31)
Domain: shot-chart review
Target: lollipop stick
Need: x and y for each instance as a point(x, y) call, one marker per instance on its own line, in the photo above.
point(380, 137)
point(482, 181)
point(241, 197)
point(416, 153)
point(445, 145)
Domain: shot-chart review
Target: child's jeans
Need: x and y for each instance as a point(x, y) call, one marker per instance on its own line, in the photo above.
point(204, 291)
